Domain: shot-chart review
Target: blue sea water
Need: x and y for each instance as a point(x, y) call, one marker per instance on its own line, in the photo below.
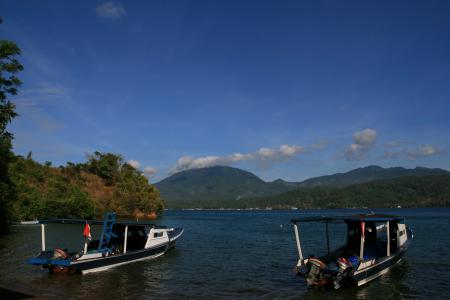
point(234, 255)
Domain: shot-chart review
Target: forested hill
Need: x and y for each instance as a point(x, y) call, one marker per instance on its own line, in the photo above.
point(84, 190)
point(222, 186)
point(367, 174)
point(404, 191)
point(217, 184)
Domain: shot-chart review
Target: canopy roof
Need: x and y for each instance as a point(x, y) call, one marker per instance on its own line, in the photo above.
point(96, 222)
point(359, 217)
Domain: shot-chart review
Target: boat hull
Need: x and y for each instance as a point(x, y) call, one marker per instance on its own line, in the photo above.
point(366, 275)
point(384, 265)
point(109, 262)
point(366, 272)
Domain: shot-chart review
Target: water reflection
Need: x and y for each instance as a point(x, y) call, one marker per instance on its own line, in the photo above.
point(388, 286)
point(229, 255)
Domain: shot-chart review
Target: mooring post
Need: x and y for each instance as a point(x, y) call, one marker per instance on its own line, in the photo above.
point(125, 240)
point(299, 248)
point(43, 236)
point(388, 250)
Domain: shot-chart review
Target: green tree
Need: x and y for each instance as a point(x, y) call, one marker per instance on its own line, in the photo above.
point(134, 194)
point(9, 83)
point(105, 165)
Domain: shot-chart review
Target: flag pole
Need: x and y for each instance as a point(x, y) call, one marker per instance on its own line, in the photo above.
point(87, 236)
point(361, 246)
point(85, 245)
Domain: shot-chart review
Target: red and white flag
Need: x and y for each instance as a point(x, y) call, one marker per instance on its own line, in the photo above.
point(87, 232)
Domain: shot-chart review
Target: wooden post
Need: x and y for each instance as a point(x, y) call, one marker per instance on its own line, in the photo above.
point(388, 250)
point(125, 240)
point(43, 236)
point(299, 248)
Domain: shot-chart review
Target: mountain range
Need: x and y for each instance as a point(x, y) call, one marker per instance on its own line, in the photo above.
point(219, 185)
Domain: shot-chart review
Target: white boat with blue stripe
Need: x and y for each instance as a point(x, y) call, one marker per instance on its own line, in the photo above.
point(120, 243)
point(374, 243)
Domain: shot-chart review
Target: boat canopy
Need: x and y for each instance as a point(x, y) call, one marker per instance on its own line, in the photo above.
point(97, 222)
point(355, 218)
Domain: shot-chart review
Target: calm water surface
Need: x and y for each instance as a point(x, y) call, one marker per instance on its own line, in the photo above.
point(232, 254)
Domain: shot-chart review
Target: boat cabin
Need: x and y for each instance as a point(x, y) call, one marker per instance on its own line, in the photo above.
point(137, 237)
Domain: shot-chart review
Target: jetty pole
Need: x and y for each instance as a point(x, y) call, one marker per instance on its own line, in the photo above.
point(43, 236)
point(299, 248)
point(125, 240)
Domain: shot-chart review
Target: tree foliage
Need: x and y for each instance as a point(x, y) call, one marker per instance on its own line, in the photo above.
point(133, 193)
point(105, 165)
point(44, 192)
point(83, 190)
point(9, 83)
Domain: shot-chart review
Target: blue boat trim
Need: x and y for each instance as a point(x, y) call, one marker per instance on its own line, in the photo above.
point(45, 261)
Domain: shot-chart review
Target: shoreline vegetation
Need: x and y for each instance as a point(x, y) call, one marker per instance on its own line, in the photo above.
point(85, 190)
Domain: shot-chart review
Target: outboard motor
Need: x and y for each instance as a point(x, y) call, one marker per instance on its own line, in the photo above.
point(345, 267)
point(316, 272)
point(59, 253)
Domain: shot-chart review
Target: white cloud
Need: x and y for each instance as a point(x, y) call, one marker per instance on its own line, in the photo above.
point(365, 137)
point(414, 153)
point(134, 163)
point(109, 10)
point(422, 151)
point(237, 157)
point(287, 150)
point(263, 155)
point(149, 172)
point(266, 153)
point(364, 140)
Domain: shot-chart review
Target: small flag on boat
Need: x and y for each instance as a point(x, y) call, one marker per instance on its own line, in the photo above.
point(87, 231)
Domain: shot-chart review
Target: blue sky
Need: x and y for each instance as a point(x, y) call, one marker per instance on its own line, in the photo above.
point(289, 89)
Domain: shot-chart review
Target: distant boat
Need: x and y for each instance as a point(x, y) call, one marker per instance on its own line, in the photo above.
point(375, 243)
point(35, 221)
point(120, 243)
